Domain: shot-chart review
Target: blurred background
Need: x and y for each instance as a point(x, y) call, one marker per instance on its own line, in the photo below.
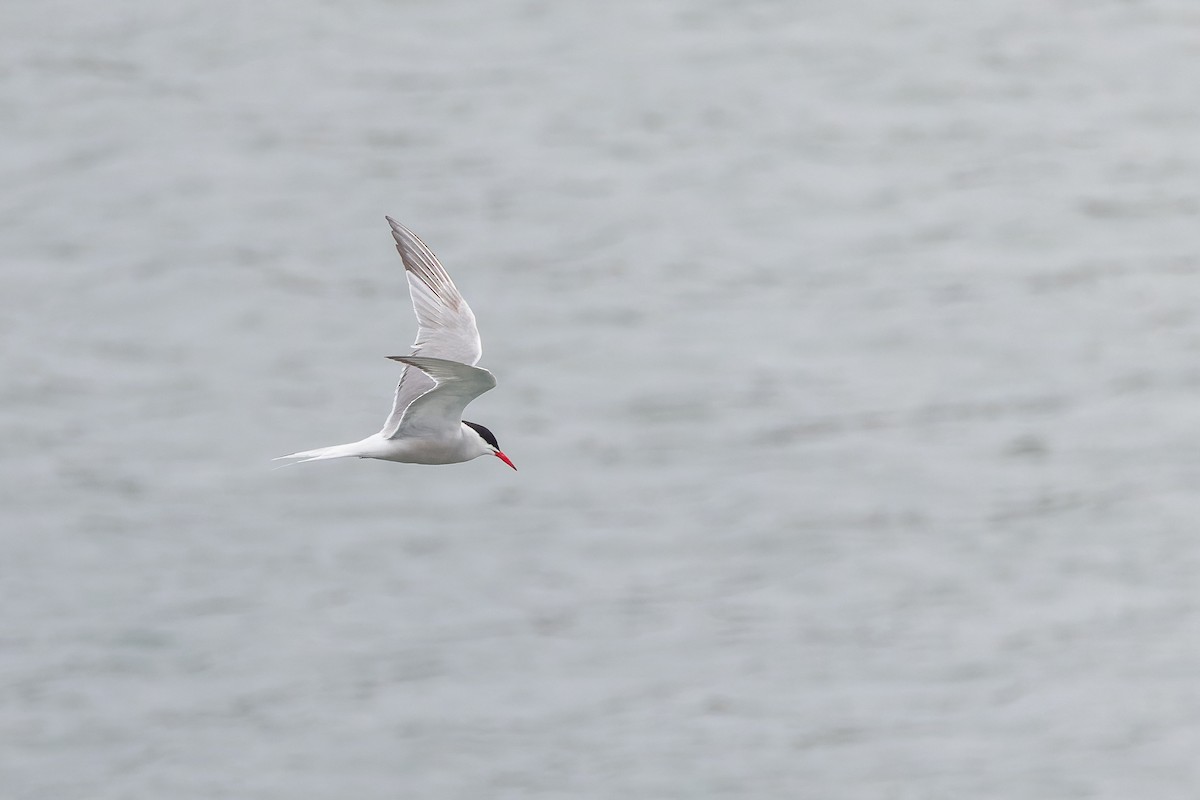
point(849, 352)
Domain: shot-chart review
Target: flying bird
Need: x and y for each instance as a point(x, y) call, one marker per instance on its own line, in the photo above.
point(439, 379)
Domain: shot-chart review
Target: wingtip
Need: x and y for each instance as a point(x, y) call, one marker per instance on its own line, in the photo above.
point(403, 238)
point(406, 361)
point(399, 232)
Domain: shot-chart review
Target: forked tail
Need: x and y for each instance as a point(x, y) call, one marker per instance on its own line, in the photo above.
point(322, 453)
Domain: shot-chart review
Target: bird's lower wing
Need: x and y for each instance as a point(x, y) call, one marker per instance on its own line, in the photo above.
point(439, 410)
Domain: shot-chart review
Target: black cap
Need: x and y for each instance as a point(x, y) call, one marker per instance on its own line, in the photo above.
point(487, 435)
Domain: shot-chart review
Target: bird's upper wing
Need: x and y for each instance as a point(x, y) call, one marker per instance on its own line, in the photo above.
point(446, 323)
point(438, 412)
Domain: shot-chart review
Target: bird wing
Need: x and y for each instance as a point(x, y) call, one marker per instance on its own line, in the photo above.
point(438, 412)
point(446, 323)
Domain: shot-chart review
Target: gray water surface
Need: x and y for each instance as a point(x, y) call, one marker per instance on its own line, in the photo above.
point(849, 353)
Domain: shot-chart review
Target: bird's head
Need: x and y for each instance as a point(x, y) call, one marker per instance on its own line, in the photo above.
point(487, 442)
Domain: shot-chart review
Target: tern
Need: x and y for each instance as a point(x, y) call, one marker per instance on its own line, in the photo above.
point(439, 379)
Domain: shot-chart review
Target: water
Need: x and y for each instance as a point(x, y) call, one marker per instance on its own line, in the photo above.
point(848, 352)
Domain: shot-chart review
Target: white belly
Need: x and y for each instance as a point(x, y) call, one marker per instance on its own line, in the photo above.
point(418, 451)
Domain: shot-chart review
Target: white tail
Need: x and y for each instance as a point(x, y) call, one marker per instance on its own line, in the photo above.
point(322, 453)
